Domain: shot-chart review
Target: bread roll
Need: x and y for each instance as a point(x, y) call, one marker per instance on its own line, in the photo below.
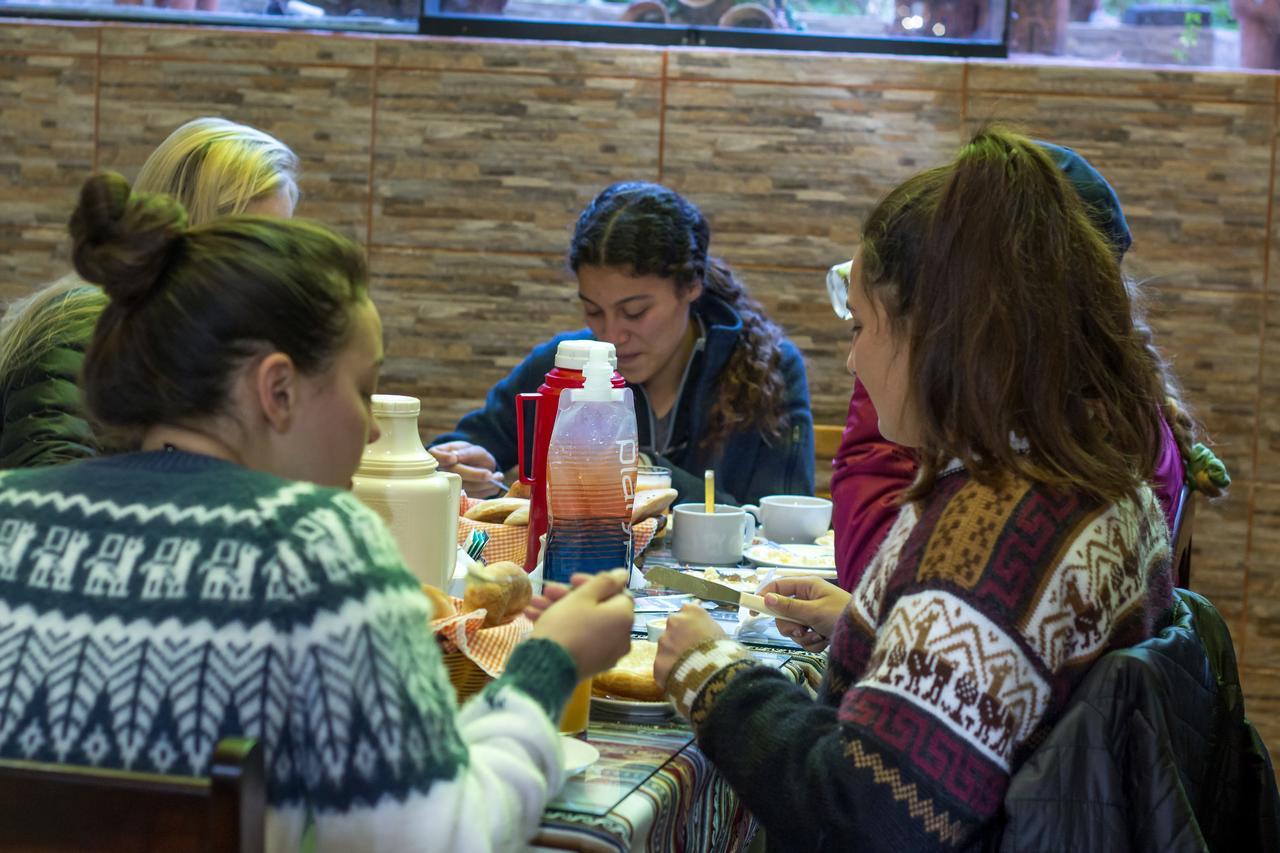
point(651, 502)
point(496, 510)
point(502, 589)
point(632, 678)
point(520, 490)
point(441, 606)
point(519, 518)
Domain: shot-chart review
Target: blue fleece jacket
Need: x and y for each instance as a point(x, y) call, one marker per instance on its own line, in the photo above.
point(748, 465)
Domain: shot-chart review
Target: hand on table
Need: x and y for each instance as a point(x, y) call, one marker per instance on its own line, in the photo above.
point(812, 608)
point(686, 628)
point(592, 622)
point(475, 465)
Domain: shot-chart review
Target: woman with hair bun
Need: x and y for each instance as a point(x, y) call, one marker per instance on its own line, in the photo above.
point(214, 167)
point(222, 581)
point(994, 333)
point(717, 384)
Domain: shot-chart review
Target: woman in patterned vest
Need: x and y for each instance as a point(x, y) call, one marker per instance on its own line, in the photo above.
point(222, 581)
point(995, 335)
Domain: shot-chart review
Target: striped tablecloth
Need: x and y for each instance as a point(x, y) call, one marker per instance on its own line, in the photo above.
point(654, 790)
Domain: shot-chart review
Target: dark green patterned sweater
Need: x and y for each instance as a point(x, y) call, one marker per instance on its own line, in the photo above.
point(153, 603)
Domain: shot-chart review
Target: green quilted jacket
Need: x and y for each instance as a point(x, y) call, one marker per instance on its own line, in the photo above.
point(44, 418)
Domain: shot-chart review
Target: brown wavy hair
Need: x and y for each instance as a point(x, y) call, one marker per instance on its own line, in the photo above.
point(1019, 324)
point(648, 229)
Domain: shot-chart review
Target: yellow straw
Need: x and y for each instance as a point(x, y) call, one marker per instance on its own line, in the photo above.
point(710, 477)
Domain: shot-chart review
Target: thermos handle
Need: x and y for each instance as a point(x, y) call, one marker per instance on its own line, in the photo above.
point(521, 410)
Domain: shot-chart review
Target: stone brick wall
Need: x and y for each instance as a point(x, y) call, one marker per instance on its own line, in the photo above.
point(461, 166)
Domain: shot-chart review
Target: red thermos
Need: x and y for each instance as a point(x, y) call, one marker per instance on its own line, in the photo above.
point(567, 373)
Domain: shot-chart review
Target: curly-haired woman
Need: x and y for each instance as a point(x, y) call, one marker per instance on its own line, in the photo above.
point(716, 383)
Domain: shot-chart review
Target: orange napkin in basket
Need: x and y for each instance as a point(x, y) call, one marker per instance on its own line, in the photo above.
point(487, 648)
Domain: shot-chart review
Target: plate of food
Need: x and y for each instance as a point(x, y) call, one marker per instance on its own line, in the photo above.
point(629, 688)
point(817, 557)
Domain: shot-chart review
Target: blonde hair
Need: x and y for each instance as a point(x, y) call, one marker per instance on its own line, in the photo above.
point(213, 167)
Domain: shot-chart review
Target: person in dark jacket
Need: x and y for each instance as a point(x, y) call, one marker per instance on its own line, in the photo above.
point(716, 384)
point(1153, 752)
point(215, 168)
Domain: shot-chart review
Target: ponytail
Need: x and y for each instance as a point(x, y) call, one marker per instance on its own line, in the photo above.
point(1020, 326)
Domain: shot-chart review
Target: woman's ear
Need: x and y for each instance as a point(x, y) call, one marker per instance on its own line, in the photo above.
point(275, 386)
point(694, 291)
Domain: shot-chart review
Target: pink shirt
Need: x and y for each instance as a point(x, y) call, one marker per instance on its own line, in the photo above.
point(870, 472)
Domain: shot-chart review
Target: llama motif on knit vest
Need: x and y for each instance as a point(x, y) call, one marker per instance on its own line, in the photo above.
point(228, 574)
point(56, 559)
point(327, 542)
point(15, 537)
point(950, 659)
point(110, 568)
point(165, 574)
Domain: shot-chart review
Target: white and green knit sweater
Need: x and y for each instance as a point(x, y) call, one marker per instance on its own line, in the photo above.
point(153, 603)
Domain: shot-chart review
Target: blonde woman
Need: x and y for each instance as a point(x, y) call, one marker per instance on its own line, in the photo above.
point(215, 168)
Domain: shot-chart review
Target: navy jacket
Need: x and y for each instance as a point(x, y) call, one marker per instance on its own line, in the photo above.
point(1153, 753)
point(748, 466)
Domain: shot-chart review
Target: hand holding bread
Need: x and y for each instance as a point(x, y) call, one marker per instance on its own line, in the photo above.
point(592, 622)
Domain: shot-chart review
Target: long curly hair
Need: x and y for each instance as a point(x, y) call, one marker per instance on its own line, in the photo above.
point(648, 229)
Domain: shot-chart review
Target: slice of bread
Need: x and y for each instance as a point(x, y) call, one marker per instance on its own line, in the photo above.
point(632, 678)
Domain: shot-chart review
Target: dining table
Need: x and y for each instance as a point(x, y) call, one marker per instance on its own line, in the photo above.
point(652, 788)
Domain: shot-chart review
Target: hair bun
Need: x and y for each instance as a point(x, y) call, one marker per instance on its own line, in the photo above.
point(124, 240)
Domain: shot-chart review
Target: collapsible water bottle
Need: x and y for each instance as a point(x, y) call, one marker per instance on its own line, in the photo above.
point(571, 357)
point(591, 475)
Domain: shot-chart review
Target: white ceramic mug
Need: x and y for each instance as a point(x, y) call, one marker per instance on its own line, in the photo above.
point(715, 539)
point(790, 519)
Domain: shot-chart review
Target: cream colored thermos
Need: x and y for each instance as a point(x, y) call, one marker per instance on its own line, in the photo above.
point(399, 480)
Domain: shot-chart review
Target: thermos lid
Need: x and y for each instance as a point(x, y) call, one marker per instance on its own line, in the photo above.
point(573, 355)
point(398, 452)
point(395, 404)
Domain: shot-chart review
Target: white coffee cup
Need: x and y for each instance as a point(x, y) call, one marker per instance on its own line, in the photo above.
point(789, 519)
point(714, 539)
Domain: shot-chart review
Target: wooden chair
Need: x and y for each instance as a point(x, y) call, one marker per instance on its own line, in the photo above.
point(1184, 517)
point(55, 808)
point(826, 441)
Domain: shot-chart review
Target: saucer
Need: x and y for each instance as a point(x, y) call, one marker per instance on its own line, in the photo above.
point(578, 754)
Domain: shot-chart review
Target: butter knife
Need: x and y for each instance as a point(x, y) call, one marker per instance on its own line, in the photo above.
point(709, 590)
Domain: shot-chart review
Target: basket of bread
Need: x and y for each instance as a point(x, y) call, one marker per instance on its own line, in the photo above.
point(478, 632)
point(506, 520)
